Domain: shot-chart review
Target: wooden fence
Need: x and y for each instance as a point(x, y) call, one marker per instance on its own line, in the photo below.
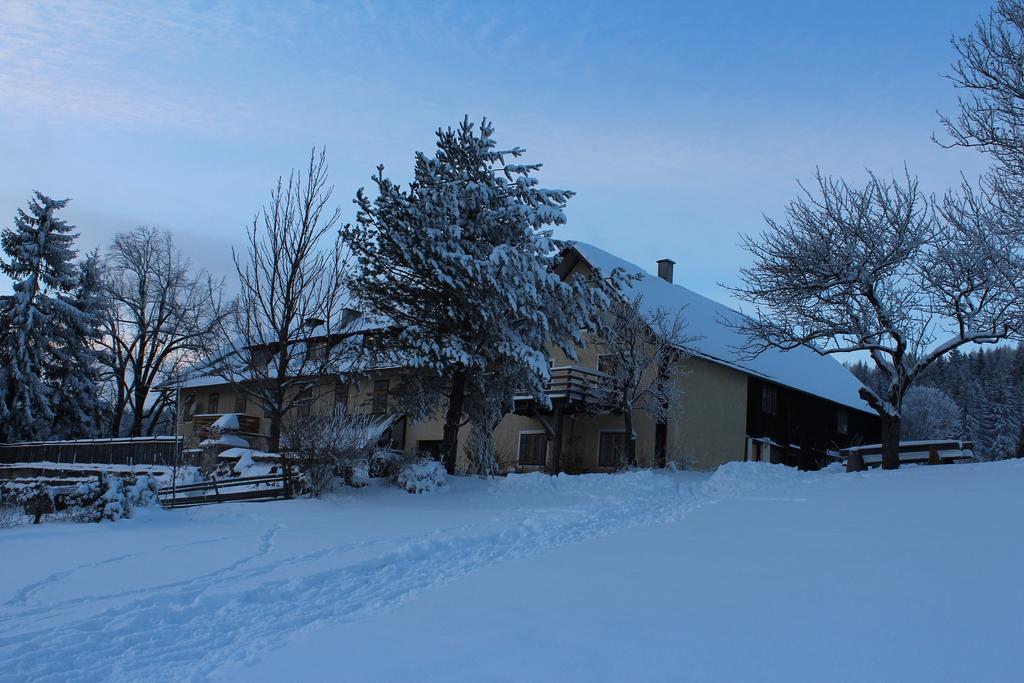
point(144, 450)
point(268, 487)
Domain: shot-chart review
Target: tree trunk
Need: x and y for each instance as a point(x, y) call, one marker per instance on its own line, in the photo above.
point(450, 437)
point(630, 454)
point(138, 413)
point(890, 442)
point(274, 437)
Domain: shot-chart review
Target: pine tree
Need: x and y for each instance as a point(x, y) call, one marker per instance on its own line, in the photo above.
point(461, 262)
point(75, 372)
point(40, 260)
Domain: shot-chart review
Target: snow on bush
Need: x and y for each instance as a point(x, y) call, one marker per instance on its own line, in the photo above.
point(421, 476)
point(110, 497)
point(334, 446)
point(10, 515)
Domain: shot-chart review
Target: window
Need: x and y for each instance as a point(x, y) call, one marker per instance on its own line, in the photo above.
point(259, 357)
point(612, 449)
point(843, 422)
point(373, 342)
point(607, 363)
point(533, 448)
point(769, 399)
point(188, 407)
point(380, 397)
point(316, 351)
point(303, 401)
point(213, 404)
point(241, 402)
point(340, 399)
point(430, 448)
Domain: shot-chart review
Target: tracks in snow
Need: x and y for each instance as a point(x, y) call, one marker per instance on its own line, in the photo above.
point(189, 629)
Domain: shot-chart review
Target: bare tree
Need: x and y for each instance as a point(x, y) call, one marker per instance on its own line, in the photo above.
point(161, 318)
point(882, 270)
point(288, 327)
point(638, 348)
point(990, 70)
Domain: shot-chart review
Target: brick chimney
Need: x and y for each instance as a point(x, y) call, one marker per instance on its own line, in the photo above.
point(665, 269)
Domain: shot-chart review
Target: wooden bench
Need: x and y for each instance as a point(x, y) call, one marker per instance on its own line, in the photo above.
point(934, 452)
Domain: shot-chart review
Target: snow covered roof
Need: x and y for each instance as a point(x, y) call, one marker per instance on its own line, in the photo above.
point(232, 440)
point(203, 374)
point(801, 369)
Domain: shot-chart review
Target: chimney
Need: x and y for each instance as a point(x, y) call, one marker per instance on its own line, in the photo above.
point(665, 269)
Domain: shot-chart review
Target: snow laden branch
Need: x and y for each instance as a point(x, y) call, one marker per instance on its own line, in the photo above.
point(883, 270)
point(288, 327)
point(461, 261)
point(989, 71)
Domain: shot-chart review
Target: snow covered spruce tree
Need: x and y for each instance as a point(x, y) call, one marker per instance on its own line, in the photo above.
point(639, 345)
point(880, 269)
point(75, 369)
point(285, 330)
point(461, 262)
point(39, 321)
point(162, 318)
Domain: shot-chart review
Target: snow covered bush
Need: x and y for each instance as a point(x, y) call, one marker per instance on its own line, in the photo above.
point(334, 446)
point(385, 463)
point(421, 476)
point(13, 497)
point(10, 515)
point(110, 497)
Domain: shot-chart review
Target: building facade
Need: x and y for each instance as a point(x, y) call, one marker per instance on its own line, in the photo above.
point(794, 407)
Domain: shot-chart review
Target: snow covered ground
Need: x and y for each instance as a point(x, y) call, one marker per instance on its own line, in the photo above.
point(757, 572)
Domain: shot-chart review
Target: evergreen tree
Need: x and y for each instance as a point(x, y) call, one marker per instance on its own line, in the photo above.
point(40, 261)
point(75, 371)
point(461, 261)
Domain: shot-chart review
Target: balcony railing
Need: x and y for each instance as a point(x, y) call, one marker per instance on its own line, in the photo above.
point(572, 384)
point(247, 424)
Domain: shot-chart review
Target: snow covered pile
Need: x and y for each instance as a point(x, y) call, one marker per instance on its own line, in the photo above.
point(738, 478)
point(421, 476)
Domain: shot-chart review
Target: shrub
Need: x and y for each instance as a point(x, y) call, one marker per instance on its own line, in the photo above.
point(421, 475)
point(10, 515)
point(110, 497)
point(39, 503)
point(329, 447)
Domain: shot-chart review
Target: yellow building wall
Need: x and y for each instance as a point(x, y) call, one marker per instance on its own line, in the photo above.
point(707, 426)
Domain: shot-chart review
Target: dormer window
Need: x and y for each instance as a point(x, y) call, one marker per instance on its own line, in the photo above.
point(259, 357)
point(316, 351)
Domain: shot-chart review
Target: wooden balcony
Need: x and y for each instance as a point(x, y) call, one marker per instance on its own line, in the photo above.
point(571, 386)
point(247, 424)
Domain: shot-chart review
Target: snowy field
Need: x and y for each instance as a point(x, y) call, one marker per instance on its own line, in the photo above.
point(757, 572)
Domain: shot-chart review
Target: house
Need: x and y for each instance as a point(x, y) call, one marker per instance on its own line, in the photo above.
point(794, 407)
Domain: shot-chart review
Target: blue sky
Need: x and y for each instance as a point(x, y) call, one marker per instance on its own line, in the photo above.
point(678, 124)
